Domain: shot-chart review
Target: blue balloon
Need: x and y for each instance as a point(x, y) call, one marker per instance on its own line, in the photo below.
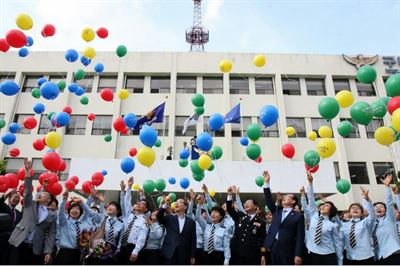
point(127, 165)
point(269, 115)
point(62, 118)
point(8, 138)
point(14, 127)
point(40, 81)
point(9, 87)
point(244, 141)
point(184, 183)
point(130, 120)
point(49, 90)
point(38, 108)
point(79, 91)
point(99, 67)
point(216, 121)
point(23, 52)
point(204, 141)
point(73, 87)
point(148, 136)
point(29, 41)
point(184, 154)
point(104, 172)
point(71, 55)
point(85, 61)
point(172, 180)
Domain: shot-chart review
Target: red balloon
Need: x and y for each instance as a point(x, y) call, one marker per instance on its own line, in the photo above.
point(51, 161)
point(55, 189)
point(16, 38)
point(102, 32)
point(53, 178)
point(4, 183)
point(21, 202)
point(288, 150)
point(12, 180)
point(21, 173)
point(87, 187)
point(124, 131)
point(393, 104)
point(21, 189)
point(132, 152)
point(313, 169)
point(63, 165)
point(4, 46)
point(68, 110)
point(48, 30)
point(259, 159)
point(97, 179)
point(75, 179)
point(39, 144)
point(119, 124)
point(43, 177)
point(91, 117)
point(70, 185)
point(14, 152)
point(107, 95)
point(39, 188)
point(30, 122)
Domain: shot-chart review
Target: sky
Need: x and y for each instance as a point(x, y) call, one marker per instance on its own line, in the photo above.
point(279, 26)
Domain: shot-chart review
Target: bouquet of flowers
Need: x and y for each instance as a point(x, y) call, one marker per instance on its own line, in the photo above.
point(102, 249)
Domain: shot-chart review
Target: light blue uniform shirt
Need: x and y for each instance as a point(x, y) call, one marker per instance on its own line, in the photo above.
point(229, 223)
point(155, 236)
point(330, 240)
point(96, 218)
point(386, 230)
point(363, 235)
point(118, 230)
point(398, 207)
point(199, 230)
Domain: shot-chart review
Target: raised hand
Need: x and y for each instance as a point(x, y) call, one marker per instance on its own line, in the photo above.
point(204, 188)
point(65, 195)
point(310, 178)
point(130, 182)
point(395, 190)
point(200, 199)
point(230, 191)
point(122, 185)
point(266, 176)
point(302, 191)
point(100, 196)
point(234, 190)
point(364, 193)
point(192, 194)
point(388, 179)
point(278, 197)
point(28, 164)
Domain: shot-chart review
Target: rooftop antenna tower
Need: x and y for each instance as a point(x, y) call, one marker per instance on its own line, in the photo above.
point(197, 36)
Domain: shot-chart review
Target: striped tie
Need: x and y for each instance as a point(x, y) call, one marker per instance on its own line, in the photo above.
point(111, 234)
point(94, 224)
point(374, 238)
point(353, 242)
point(398, 230)
point(318, 231)
point(78, 233)
point(211, 240)
point(127, 232)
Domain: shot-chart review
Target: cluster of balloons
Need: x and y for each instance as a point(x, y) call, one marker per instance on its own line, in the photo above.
point(198, 102)
point(148, 136)
point(71, 183)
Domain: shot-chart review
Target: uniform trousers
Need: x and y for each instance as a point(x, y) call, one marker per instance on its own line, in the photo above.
point(23, 255)
point(321, 259)
point(393, 259)
point(150, 257)
point(369, 261)
point(214, 258)
point(68, 256)
point(125, 254)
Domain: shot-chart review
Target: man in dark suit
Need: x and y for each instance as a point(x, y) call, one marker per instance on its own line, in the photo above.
point(179, 246)
point(285, 236)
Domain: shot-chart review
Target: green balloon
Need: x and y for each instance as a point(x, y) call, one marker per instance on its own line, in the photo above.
point(121, 50)
point(361, 113)
point(2, 123)
point(159, 199)
point(198, 177)
point(253, 131)
point(328, 108)
point(160, 185)
point(343, 186)
point(216, 152)
point(79, 74)
point(259, 181)
point(172, 195)
point(194, 166)
point(396, 133)
point(385, 100)
point(84, 100)
point(148, 186)
point(392, 85)
point(344, 128)
point(212, 167)
point(36, 93)
point(311, 158)
point(50, 115)
point(366, 74)
point(158, 143)
point(253, 151)
point(107, 138)
point(199, 110)
point(379, 108)
point(61, 85)
point(198, 100)
point(183, 162)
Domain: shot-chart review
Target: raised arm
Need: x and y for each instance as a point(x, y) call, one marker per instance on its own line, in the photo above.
point(207, 196)
point(232, 212)
point(304, 204)
point(199, 218)
point(161, 217)
point(389, 199)
point(192, 197)
point(227, 250)
point(397, 196)
point(28, 197)
point(141, 241)
point(128, 198)
point(367, 204)
point(338, 244)
point(239, 205)
point(267, 193)
point(312, 206)
point(88, 203)
point(62, 219)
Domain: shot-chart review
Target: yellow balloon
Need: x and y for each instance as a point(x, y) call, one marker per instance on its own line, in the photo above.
point(396, 119)
point(345, 98)
point(89, 52)
point(259, 60)
point(204, 161)
point(312, 135)
point(225, 66)
point(146, 156)
point(173, 205)
point(88, 34)
point(123, 94)
point(24, 22)
point(53, 140)
point(211, 192)
point(290, 131)
point(384, 136)
point(326, 147)
point(325, 132)
point(136, 186)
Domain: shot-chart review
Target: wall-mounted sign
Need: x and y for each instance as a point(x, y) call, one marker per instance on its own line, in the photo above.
point(392, 64)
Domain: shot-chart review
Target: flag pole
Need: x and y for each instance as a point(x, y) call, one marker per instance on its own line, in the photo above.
point(240, 115)
point(164, 124)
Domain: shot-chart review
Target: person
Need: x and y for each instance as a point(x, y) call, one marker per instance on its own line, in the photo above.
point(355, 235)
point(169, 156)
point(384, 232)
point(179, 245)
point(194, 149)
point(33, 238)
point(268, 221)
point(396, 192)
point(97, 212)
point(247, 241)
point(323, 241)
point(285, 236)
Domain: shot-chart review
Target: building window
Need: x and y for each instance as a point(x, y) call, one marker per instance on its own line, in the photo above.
point(299, 125)
point(238, 85)
point(358, 173)
point(56, 78)
point(107, 83)
point(237, 128)
point(86, 83)
point(291, 86)
point(316, 123)
point(264, 86)
point(19, 118)
point(13, 164)
point(39, 168)
point(179, 121)
point(135, 84)
point(341, 84)
point(6, 77)
point(186, 85)
point(355, 133)
point(315, 86)
point(76, 125)
point(383, 168)
point(102, 125)
point(162, 128)
point(64, 174)
point(160, 85)
point(337, 171)
point(269, 132)
point(30, 82)
point(213, 85)
point(45, 125)
point(365, 89)
point(218, 133)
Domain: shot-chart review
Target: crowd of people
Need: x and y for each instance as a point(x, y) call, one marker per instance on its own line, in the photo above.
point(198, 230)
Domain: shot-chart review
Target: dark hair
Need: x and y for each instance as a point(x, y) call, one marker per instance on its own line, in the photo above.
point(358, 205)
point(333, 211)
point(95, 207)
point(147, 204)
point(117, 206)
point(254, 201)
point(12, 193)
point(53, 199)
point(220, 211)
point(75, 204)
point(380, 202)
point(203, 211)
point(296, 201)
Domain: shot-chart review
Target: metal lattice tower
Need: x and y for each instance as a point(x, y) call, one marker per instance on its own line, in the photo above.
point(197, 35)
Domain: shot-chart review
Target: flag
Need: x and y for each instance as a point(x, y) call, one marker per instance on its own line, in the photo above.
point(191, 121)
point(233, 116)
point(154, 116)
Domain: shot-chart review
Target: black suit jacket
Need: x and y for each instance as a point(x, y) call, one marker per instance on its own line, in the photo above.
point(4, 208)
point(185, 241)
point(291, 230)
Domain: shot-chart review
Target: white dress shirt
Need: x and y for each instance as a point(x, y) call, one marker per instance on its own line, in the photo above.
point(181, 220)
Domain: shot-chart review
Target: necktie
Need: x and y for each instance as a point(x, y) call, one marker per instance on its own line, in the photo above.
point(211, 240)
point(111, 234)
point(398, 230)
point(374, 238)
point(127, 232)
point(78, 233)
point(353, 242)
point(14, 215)
point(318, 231)
point(94, 224)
